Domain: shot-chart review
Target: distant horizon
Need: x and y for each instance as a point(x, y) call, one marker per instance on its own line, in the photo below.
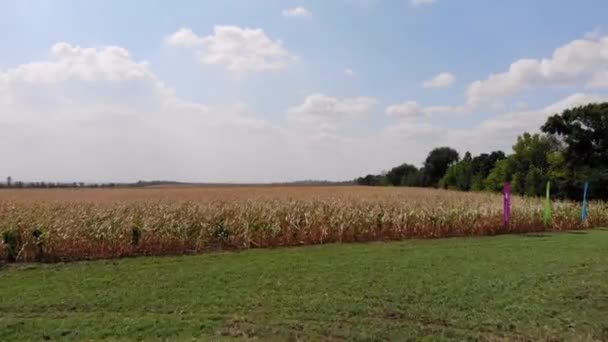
point(14, 181)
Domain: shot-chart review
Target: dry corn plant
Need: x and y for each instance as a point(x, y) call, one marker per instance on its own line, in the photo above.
point(55, 225)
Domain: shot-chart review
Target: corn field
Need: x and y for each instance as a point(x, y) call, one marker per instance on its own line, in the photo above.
point(59, 225)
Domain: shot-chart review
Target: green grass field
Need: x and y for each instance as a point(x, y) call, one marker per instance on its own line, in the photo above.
point(508, 287)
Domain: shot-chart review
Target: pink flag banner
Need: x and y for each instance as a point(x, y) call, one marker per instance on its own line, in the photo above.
point(507, 205)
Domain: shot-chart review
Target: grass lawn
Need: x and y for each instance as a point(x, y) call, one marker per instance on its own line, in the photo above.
point(552, 286)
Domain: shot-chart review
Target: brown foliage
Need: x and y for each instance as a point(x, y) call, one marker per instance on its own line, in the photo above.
point(53, 225)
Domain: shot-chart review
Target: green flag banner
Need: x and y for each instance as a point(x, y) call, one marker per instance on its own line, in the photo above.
point(548, 209)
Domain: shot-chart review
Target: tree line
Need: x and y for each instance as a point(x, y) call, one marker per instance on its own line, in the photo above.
point(52, 185)
point(571, 149)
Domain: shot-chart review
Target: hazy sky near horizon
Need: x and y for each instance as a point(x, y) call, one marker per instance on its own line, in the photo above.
point(262, 91)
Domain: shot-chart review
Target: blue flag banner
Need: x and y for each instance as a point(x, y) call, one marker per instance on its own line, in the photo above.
point(585, 204)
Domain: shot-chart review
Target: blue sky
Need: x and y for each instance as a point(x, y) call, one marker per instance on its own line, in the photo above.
point(304, 106)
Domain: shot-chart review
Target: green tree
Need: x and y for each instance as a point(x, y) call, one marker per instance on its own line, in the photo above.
point(534, 182)
point(584, 132)
point(402, 175)
point(531, 164)
point(370, 180)
point(501, 173)
point(437, 163)
point(484, 163)
point(470, 173)
point(459, 176)
point(412, 179)
point(477, 182)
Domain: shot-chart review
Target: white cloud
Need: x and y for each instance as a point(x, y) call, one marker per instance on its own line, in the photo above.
point(498, 132)
point(184, 37)
point(502, 130)
point(97, 114)
point(239, 50)
point(67, 62)
point(580, 61)
point(442, 80)
point(349, 72)
point(422, 2)
point(408, 109)
point(100, 114)
point(319, 108)
point(299, 12)
point(595, 34)
point(411, 109)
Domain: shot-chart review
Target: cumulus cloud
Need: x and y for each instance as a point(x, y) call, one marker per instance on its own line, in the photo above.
point(296, 12)
point(184, 37)
point(89, 73)
point(111, 63)
point(502, 130)
point(580, 61)
point(349, 72)
point(411, 109)
point(442, 80)
point(595, 34)
point(408, 109)
point(239, 50)
point(321, 108)
point(97, 114)
point(100, 114)
point(498, 132)
point(422, 2)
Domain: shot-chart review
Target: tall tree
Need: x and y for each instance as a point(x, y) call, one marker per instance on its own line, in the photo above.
point(404, 174)
point(501, 173)
point(484, 163)
point(437, 163)
point(530, 162)
point(459, 176)
point(584, 132)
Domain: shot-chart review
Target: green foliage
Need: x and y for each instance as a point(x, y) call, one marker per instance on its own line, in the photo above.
point(534, 182)
point(483, 164)
point(370, 180)
point(529, 167)
point(437, 163)
point(404, 174)
point(469, 173)
point(584, 132)
point(500, 174)
point(459, 176)
point(477, 183)
point(388, 291)
point(412, 179)
point(135, 236)
point(39, 236)
point(221, 233)
point(11, 242)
